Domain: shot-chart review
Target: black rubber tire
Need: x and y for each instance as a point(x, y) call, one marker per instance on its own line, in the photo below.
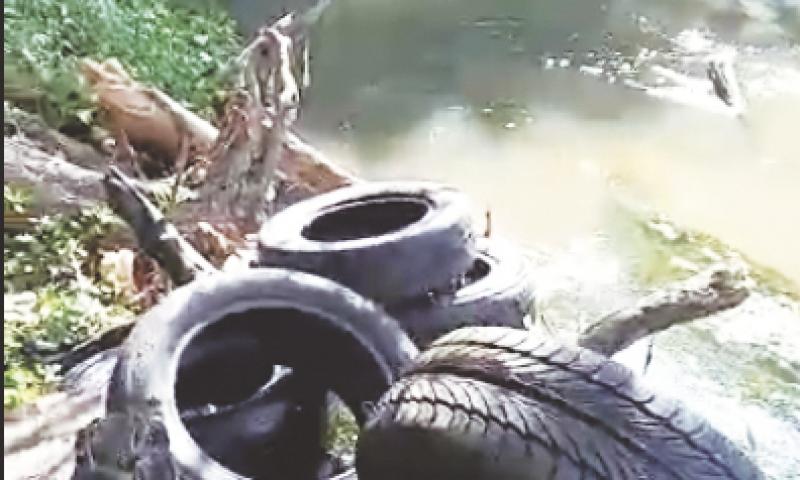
point(499, 292)
point(320, 329)
point(492, 403)
point(265, 436)
point(388, 241)
point(210, 358)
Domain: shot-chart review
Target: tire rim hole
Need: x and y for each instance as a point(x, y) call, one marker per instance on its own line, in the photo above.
point(480, 269)
point(365, 218)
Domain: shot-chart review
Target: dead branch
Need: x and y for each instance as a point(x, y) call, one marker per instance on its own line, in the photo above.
point(248, 152)
point(701, 295)
point(157, 237)
point(719, 92)
point(720, 71)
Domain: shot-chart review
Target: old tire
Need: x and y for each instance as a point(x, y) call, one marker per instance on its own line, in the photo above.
point(388, 241)
point(498, 292)
point(264, 436)
point(495, 403)
point(209, 360)
point(321, 330)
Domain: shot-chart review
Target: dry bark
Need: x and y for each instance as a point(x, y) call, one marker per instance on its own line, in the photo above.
point(57, 183)
point(704, 294)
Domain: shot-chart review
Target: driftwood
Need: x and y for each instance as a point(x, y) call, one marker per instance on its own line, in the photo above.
point(718, 93)
point(146, 119)
point(33, 128)
point(59, 184)
point(159, 239)
point(39, 439)
point(701, 295)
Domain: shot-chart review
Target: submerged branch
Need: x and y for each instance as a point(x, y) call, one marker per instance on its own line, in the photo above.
point(701, 295)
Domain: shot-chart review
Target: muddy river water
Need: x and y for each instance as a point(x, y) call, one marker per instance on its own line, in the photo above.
point(529, 106)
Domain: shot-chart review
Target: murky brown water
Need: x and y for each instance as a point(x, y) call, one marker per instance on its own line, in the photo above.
point(409, 91)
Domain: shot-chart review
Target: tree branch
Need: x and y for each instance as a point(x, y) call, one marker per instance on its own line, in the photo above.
point(157, 237)
point(701, 295)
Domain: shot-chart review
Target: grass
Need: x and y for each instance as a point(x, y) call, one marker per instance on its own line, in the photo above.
point(178, 50)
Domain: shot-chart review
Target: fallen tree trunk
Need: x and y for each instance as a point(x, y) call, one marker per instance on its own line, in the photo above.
point(700, 296)
point(23, 124)
point(58, 184)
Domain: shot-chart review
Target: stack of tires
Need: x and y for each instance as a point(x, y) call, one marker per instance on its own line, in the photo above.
point(227, 378)
point(409, 246)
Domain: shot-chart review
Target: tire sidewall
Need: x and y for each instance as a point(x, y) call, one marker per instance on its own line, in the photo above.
point(144, 378)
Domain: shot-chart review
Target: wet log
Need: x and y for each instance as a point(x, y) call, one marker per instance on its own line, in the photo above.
point(725, 85)
point(704, 294)
point(40, 439)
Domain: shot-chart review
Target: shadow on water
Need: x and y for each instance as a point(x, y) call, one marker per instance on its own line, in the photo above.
point(491, 97)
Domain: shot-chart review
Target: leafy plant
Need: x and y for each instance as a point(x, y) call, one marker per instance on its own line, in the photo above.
point(178, 50)
point(54, 252)
point(50, 302)
point(342, 431)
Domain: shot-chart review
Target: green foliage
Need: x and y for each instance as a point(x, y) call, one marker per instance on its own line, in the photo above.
point(663, 251)
point(50, 318)
point(54, 252)
point(49, 301)
point(15, 199)
point(175, 49)
point(342, 431)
